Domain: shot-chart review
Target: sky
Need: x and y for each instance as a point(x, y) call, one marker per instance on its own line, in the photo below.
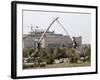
point(76, 24)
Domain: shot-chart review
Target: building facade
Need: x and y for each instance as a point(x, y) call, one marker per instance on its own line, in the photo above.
point(50, 40)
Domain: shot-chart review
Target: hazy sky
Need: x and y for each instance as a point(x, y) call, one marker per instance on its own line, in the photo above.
point(77, 24)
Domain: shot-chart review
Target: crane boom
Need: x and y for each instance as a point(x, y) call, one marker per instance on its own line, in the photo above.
point(63, 28)
point(47, 30)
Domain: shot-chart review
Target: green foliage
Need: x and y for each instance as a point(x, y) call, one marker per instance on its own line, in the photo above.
point(27, 52)
point(57, 53)
point(87, 52)
point(74, 59)
point(48, 55)
point(49, 60)
point(42, 54)
point(72, 55)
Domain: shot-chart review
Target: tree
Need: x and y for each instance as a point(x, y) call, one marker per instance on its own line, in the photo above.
point(56, 53)
point(87, 52)
point(49, 55)
point(27, 52)
point(73, 55)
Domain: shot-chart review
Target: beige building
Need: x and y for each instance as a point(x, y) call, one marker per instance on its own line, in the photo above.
point(56, 41)
point(50, 40)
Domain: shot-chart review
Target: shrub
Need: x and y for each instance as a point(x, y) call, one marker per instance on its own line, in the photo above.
point(27, 52)
point(73, 56)
point(73, 59)
point(49, 60)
